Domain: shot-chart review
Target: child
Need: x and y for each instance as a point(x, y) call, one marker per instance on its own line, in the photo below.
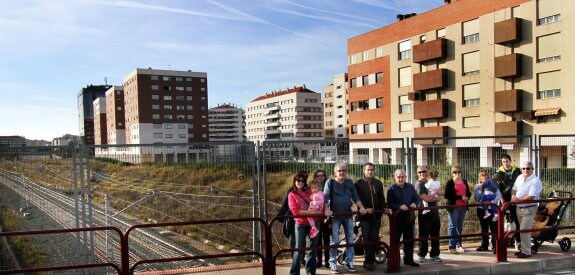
point(489, 188)
point(316, 203)
point(432, 187)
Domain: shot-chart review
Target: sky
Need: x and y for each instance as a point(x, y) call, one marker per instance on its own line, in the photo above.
point(50, 49)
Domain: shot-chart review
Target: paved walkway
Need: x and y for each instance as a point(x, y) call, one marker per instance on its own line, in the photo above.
point(549, 258)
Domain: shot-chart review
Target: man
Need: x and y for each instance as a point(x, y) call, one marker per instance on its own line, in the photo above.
point(339, 194)
point(526, 189)
point(370, 191)
point(429, 223)
point(509, 174)
point(402, 196)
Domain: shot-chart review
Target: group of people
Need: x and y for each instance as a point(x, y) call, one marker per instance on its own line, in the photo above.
point(329, 202)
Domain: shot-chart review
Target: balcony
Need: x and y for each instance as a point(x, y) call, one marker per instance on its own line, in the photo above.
point(436, 134)
point(430, 109)
point(273, 107)
point(508, 31)
point(508, 65)
point(435, 49)
point(510, 128)
point(272, 115)
point(435, 79)
point(508, 101)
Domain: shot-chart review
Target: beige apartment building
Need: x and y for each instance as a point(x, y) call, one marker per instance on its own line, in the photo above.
point(227, 123)
point(288, 115)
point(335, 114)
point(116, 115)
point(474, 68)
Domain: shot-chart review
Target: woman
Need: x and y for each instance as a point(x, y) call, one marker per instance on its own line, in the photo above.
point(298, 201)
point(325, 227)
point(457, 193)
point(488, 221)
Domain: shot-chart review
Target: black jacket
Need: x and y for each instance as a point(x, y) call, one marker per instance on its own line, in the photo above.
point(450, 193)
point(364, 192)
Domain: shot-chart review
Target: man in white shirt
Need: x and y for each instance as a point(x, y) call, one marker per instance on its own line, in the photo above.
point(526, 189)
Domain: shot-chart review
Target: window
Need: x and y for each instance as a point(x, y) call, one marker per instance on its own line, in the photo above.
point(190, 116)
point(178, 88)
point(364, 80)
point(548, 48)
point(380, 127)
point(352, 59)
point(167, 97)
point(180, 97)
point(179, 78)
point(548, 85)
point(353, 83)
point(379, 102)
point(404, 105)
point(366, 128)
point(405, 50)
point(365, 55)
point(155, 116)
point(379, 52)
point(155, 106)
point(441, 33)
point(167, 107)
point(405, 126)
point(189, 98)
point(155, 96)
point(405, 76)
point(167, 116)
point(168, 126)
point(471, 63)
point(548, 11)
point(166, 78)
point(189, 107)
point(180, 107)
point(181, 126)
point(378, 77)
point(471, 122)
point(354, 129)
point(154, 77)
point(471, 31)
point(471, 95)
point(155, 87)
point(158, 135)
point(422, 38)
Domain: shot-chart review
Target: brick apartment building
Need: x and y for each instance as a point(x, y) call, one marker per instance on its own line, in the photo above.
point(467, 68)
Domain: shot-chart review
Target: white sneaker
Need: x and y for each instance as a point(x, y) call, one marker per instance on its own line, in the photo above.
point(460, 249)
point(333, 268)
point(436, 259)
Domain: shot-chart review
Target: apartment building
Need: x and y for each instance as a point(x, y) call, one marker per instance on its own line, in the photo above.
point(227, 123)
point(12, 141)
point(291, 114)
point(115, 115)
point(468, 68)
point(335, 111)
point(100, 124)
point(165, 106)
point(86, 97)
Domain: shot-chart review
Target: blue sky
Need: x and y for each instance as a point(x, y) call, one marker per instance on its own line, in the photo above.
point(50, 49)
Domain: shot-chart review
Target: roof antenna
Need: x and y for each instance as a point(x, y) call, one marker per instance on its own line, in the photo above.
point(106, 80)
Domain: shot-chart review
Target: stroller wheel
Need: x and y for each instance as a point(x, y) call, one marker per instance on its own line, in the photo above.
point(534, 249)
point(341, 258)
point(539, 241)
point(380, 255)
point(565, 244)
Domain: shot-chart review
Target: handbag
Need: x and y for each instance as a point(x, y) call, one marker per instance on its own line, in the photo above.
point(288, 226)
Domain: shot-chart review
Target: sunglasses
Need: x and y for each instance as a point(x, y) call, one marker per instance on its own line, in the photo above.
point(456, 172)
point(342, 170)
point(526, 168)
point(299, 180)
point(421, 172)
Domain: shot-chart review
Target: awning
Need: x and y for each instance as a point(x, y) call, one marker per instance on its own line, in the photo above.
point(548, 112)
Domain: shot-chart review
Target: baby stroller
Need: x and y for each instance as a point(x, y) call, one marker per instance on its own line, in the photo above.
point(380, 252)
point(550, 214)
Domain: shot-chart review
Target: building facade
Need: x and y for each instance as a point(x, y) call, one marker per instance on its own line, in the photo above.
point(469, 68)
point(227, 123)
point(165, 106)
point(86, 97)
point(116, 115)
point(288, 115)
point(100, 124)
point(335, 112)
point(12, 141)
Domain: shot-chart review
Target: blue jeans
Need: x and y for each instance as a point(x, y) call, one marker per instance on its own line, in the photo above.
point(302, 240)
point(349, 236)
point(455, 226)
